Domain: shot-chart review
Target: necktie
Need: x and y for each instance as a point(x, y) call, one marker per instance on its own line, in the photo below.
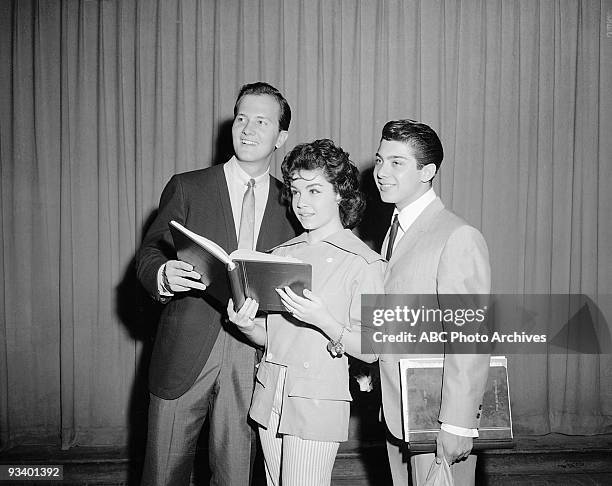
point(392, 235)
point(246, 233)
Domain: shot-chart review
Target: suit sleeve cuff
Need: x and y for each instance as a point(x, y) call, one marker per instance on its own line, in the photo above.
point(462, 431)
point(164, 293)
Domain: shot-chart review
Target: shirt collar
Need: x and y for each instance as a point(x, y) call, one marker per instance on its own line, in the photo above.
point(241, 175)
point(344, 240)
point(410, 213)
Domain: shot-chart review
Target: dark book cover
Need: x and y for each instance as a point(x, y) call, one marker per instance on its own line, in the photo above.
point(258, 279)
point(209, 266)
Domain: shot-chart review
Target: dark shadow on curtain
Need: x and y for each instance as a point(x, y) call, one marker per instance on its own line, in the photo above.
point(366, 431)
point(224, 148)
point(377, 216)
point(139, 313)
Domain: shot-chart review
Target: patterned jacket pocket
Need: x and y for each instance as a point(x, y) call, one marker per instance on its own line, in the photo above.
point(263, 374)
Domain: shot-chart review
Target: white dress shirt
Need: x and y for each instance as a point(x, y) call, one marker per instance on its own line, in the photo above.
point(407, 217)
point(237, 180)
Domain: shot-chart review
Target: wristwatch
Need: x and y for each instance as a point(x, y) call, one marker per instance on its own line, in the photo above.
point(336, 348)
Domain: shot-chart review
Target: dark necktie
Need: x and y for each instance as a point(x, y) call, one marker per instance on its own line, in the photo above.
point(246, 233)
point(392, 235)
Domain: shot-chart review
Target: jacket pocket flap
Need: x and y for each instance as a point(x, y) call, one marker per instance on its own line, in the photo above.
point(263, 374)
point(320, 389)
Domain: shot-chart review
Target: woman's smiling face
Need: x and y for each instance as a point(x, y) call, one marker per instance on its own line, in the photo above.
point(315, 202)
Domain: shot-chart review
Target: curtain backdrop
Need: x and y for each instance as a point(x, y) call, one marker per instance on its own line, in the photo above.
point(101, 101)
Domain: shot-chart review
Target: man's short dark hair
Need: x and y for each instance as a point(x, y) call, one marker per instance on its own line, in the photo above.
point(338, 170)
point(421, 138)
point(261, 88)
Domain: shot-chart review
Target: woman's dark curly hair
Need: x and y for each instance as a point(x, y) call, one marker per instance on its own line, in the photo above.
point(338, 170)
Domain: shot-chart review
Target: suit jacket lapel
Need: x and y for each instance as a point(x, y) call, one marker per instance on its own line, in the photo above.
point(270, 220)
point(226, 209)
point(416, 229)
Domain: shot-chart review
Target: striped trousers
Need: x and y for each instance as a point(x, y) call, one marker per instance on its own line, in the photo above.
point(289, 460)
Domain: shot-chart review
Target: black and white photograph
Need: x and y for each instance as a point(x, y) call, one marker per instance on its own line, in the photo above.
point(306, 242)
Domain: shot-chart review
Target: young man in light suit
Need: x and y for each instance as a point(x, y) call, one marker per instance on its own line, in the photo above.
point(200, 366)
point(430, 251)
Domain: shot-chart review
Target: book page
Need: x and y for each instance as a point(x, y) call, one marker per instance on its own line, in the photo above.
point(258, 256)
point(209, 245)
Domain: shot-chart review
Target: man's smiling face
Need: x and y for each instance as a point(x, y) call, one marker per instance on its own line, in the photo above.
point(255, 131)
point(397, 176)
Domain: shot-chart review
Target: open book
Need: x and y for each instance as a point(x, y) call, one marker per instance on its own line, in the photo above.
point(250, 273)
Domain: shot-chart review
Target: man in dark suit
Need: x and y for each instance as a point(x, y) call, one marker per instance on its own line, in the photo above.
point(199, 366)
point(430, 251)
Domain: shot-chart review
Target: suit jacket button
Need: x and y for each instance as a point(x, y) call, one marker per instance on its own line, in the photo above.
point(478, 415)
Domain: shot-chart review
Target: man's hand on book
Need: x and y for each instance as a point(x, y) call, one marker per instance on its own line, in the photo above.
point(179, 276)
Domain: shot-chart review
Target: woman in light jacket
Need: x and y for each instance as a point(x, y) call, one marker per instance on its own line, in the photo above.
point(301, 399)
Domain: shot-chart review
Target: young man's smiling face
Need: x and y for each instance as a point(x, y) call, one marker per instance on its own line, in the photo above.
point(255, 131)
point(397, 176)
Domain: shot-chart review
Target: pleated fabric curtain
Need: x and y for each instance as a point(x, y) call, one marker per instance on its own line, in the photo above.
point(102, 101)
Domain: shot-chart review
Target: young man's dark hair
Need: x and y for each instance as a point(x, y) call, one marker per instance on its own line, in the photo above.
point(421, 138)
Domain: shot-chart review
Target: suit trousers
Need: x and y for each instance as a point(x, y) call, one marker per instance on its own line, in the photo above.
point(464, 472)
point(222, 391)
